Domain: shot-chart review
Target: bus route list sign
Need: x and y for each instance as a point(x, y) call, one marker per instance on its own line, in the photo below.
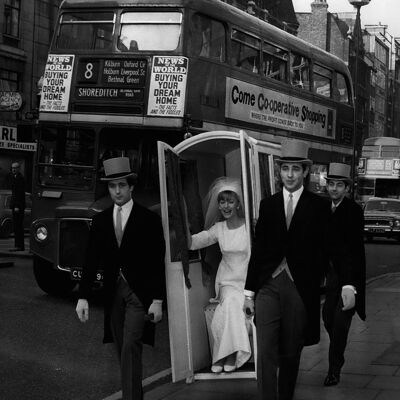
point(168, 86)
point(259, 105)
point(116, 79)
point(57, 83)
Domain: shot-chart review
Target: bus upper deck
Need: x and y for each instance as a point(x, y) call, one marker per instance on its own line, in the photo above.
point(196, 66)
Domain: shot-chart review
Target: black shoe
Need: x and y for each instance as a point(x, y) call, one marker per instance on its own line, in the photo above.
point(331, 380)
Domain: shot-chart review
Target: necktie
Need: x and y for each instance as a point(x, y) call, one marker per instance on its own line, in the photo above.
point(118, 226)
point(333, 209)
point(289, 210)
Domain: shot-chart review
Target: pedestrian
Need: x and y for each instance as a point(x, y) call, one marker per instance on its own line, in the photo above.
point(345, 282)
point(127, 242)
point(17, 205)
point(284, 275)
point(225, 225)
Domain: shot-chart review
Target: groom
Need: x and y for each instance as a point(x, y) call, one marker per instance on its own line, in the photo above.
point(284, 274)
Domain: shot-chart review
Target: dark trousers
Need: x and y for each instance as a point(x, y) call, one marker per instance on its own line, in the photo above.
point(337, 323)
point(281, 321)
point(18, 226)
point(127, 324)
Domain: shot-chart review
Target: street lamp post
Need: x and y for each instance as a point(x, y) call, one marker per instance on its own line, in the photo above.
point(357, 27)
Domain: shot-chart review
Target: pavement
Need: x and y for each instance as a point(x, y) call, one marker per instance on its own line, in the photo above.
point(371, 370)
point(7, 256)
point(6, 246)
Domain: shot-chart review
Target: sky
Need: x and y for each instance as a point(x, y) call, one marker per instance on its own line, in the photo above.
point(386, 12)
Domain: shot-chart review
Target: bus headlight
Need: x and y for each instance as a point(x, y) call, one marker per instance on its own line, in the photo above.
point(397, 223)
point(41, 233)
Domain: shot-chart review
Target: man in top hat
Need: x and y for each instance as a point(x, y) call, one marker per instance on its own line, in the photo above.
point(345, 283)
point(284, 274)
point(127, 242)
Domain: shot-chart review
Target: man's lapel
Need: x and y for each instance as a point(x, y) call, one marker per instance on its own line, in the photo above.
point(131, 224)
point(281, 210)
point(300, 210)
point(110, 226)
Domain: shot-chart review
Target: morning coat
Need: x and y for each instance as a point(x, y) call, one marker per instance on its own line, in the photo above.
point(140, 256)
point(345, 231)
point(302, 245)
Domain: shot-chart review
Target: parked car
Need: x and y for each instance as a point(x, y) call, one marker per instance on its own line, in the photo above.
point(6, 223)
point(382, 218)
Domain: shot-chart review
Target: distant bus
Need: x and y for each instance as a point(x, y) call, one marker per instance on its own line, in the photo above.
point(122, 75)
point(379, 169)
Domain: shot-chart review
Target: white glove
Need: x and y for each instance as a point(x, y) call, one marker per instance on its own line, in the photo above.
point(248, 307)
point(156, 309)
point(82, 309)
point(349, 298)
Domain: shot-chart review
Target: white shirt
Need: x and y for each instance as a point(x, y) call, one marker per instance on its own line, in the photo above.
point(125, 212)
point(296, 197)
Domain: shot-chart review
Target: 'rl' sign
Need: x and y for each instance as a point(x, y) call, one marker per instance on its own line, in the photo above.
point(8, 133)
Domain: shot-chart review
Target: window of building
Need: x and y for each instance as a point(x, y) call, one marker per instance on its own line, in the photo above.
point(322, 81)
point(12, 10)
point(275, 61)
point(245, 51)
point(147, 31)
point(381, 52)
point(8, 81)
point(300, 71)
point(207, 38)
point(343, 90)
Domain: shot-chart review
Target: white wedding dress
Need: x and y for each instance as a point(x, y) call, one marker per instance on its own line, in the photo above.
point(229, 325)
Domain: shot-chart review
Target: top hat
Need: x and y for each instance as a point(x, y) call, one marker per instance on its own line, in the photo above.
point(339, 172)
point(294, 151)
point(117, 168)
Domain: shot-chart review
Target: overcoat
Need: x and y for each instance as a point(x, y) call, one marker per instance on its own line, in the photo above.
point(345, 231)
point(17, 185)
point(302, 245)
point(140, 257)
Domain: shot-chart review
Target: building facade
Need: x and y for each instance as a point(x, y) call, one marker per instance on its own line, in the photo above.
point(340, 35)
point(25, 34)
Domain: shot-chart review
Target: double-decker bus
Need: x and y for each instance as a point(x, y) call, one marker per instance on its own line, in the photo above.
point(378, 172)
point(123, 74)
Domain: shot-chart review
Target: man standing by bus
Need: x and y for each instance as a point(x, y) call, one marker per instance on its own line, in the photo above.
point(284, 275)
point(127, 242)
point(345, 283)
point(17, 205)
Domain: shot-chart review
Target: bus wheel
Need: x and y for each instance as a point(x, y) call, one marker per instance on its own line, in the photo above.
point(50, 280)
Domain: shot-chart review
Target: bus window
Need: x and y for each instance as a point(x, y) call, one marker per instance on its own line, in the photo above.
point(85, 31)
point(146, 31)
point(66, 158)
point(322, 81)
point(342, 86)
point(245, 51)
point(275, 62)
point(299, 71)
point(207, 38)
point(317, 181)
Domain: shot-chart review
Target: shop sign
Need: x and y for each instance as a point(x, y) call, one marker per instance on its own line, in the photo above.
point(10, 101)
point(262, 106)
point(57, 83)
point(9, 140)
point(168, 86)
